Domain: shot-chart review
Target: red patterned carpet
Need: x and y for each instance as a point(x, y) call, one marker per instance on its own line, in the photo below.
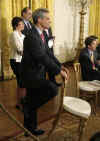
point(66, 129)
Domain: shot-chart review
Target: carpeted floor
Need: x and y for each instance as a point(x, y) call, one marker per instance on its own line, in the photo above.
point(67, 129)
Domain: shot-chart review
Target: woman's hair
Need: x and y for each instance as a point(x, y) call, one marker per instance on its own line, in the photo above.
point(15, 22)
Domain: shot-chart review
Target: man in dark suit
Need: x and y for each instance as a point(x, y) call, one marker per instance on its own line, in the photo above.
point(88, 60)
point(26, 14)
point(98, 51)
point(36, 61)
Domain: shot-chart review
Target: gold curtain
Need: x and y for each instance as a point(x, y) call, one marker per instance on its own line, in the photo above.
point(6, 14)
point(9, 9)
point(18, 5)
point(42, 3)
point(94, 18)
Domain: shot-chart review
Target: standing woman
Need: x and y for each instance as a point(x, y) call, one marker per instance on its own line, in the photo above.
point(16, 43)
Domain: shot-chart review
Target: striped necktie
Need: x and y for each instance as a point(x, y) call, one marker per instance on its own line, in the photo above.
point(42, 37)
point(28, 25)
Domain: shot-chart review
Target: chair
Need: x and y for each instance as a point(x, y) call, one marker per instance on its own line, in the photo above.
point(71, 105)
point(84, 91)
point(76, 107)
point(79, 108)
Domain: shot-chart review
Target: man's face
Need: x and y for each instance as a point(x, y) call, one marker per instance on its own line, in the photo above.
point(28, 14)
point(45, 21)
point(97, 40)
point(93, 45)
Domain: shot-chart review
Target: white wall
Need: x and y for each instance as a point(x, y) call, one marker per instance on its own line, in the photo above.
point(66, 29)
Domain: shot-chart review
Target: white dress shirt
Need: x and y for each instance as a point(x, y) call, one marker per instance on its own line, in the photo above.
point(90, 52)
point(16, 45)
point(46, 30)
point(50, 42)
point(27, 23)
point(38, 29)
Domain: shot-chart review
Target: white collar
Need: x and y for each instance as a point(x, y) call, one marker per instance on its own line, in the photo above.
point(38, 29)
point(22, 35)
point(46, 30)
point(90, 51)
point(26, 22)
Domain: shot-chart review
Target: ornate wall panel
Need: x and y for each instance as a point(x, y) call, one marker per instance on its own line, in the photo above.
point(66, 28)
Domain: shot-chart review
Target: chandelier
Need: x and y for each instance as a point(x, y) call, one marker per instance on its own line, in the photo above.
point(83, 4)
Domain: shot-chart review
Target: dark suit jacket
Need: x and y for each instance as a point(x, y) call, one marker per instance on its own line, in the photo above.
point(26, 30)
point(86, 66)
point(37, 60)
point(98, 51)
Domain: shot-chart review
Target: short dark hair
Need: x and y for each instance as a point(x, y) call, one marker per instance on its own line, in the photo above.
point(90, 39)
point(15, 22)
point(95, 137)
point(24, 10)
point(39, 13)
point(93, 36)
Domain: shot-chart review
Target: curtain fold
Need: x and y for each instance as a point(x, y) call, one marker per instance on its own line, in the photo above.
point(35, 4)
point(6, 14)
point(9, 9)
point(94, 18)
point(42, 4)
point(18, 5)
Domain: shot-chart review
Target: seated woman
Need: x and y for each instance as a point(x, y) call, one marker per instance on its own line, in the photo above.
point(16, 43)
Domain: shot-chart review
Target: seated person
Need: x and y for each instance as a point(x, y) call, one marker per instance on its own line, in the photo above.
point(98, 51)
point(88, 60)
point(95, 137)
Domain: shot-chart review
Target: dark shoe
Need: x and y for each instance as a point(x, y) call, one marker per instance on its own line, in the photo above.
point(38, 132)
point(35, 132)
point(19, 108)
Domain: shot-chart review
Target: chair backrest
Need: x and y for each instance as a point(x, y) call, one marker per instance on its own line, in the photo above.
point(78, 75)
point(77, 69)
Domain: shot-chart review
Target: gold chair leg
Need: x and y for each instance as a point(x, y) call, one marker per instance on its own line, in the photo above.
point(57, 118)
point(93, 107)
point(82, 125)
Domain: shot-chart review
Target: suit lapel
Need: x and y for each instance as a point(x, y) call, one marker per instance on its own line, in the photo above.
point(38, 36)
point(88, 54)
point(95, 57)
